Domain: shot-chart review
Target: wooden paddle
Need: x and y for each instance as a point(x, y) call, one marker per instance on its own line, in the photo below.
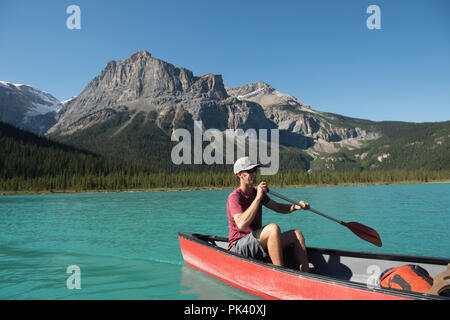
point(364, 232)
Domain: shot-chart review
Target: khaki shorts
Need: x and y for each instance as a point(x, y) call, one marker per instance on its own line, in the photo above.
point(249, 246)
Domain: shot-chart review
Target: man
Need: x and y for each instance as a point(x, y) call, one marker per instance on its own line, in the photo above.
point(244, 209)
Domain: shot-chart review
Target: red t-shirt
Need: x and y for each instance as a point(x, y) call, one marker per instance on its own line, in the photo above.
point(238, 202)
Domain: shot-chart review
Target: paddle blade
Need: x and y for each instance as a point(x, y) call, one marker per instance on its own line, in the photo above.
point(364, 232)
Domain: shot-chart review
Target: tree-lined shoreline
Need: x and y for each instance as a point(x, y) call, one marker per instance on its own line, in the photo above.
point(120, 182)
point(35, 164)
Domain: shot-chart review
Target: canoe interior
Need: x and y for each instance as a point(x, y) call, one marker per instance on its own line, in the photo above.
point(356, 267)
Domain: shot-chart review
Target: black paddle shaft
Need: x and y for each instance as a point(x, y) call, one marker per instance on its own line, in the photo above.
point(311, 209)
point(364, 232)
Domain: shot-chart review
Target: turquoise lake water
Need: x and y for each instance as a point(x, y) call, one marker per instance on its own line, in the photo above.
point(126, 244)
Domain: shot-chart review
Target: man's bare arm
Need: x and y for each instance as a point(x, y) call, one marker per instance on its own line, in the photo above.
point(286, 208)
point(244, 219)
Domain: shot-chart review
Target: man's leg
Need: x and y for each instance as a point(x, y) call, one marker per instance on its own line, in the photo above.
point(270, 238)
point(295, 238)
point(274, 241)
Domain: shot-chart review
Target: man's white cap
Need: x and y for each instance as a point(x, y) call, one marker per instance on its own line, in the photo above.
point(244, 164)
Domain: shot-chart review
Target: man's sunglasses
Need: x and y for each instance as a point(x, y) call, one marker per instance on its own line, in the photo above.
point(252, 170)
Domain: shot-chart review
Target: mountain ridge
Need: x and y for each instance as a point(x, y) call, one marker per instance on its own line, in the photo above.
point(132, 106)
point(144, 83)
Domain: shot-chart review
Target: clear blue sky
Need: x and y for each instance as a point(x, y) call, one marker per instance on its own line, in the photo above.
point(319, 51)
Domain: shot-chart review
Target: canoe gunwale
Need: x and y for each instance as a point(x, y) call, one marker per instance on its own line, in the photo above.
point(206, 240)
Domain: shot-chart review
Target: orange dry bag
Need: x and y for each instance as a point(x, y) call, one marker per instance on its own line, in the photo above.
point(410, 277)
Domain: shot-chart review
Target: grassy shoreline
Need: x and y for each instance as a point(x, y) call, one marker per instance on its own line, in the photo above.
point(173, 189)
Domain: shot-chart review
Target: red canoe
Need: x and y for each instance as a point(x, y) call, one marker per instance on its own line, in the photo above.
point(336, 274)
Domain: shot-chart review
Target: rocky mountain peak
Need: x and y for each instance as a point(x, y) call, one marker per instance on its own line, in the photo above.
point(142, 76)
point(248, 90)
point(141, 55)
point(264, 94)
point(142, 83)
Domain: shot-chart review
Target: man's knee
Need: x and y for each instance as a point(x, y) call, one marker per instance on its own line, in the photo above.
point(294, 236)
point(299, 236)
point(273, 229)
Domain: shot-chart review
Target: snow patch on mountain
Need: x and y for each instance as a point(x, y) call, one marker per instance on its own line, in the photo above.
point(27, 107)
point(41, 102)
